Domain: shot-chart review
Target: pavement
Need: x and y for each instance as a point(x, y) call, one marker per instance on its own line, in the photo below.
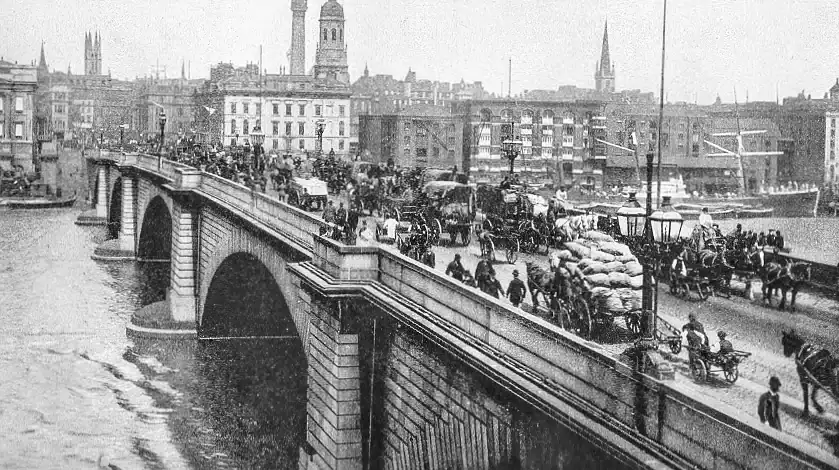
point(751, 325)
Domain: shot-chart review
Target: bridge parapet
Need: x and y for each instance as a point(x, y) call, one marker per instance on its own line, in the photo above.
point(571, 379)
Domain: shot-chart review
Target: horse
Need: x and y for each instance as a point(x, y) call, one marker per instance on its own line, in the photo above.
point(786, 278)
point(814, 365)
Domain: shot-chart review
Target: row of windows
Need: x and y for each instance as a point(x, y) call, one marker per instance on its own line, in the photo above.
point(301, 109)
point(275, 128)
point(337, 34)
point(18, 134)
point(18, 104)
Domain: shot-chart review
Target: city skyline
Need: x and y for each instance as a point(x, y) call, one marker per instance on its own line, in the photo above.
point(390, 38)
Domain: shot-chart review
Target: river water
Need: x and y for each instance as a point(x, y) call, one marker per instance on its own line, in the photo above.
point(811, 238)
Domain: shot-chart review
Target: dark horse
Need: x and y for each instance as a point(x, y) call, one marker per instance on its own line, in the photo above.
point(788, 277)
point(711, 265)
point(815, 366)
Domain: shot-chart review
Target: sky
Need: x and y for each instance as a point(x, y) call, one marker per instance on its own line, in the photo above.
point(714, 47)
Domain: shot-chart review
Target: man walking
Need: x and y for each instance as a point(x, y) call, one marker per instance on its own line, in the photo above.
point(767, 408)
point(516, 290)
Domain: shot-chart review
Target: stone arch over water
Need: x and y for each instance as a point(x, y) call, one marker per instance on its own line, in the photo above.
point(155, 241)
point(115, 212)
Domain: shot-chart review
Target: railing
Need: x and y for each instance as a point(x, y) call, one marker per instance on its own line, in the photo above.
point(694, 428)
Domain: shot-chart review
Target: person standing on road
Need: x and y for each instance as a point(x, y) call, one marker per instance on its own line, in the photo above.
point(455, 269)
point(329, 213)
point(493, 287)
point(516, 290)
point(697, 327)
point(767, 407)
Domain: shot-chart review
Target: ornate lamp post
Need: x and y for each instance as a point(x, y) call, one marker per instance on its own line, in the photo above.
point(666, 223)
point(258, 138)
point(512, 149)
point(631, 219)
point(161, 119)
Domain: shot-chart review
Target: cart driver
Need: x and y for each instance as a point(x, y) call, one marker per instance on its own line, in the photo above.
point(694, 325)
point(725, 345)
point(678, 267)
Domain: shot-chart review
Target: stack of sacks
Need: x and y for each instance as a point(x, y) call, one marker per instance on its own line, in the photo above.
point(613, 273)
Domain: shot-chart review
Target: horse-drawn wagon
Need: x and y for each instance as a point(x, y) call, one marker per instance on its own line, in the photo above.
point(704, 363)
point(307, 193)
point(450, 209)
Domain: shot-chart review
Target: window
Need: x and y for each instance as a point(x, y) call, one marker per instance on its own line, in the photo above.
point(233, 108)
point(246, 108)
point(341, 110)
point(245, 127)
point(180, 112)
point(276, 127)
point(341, 128)
point(258, 109)
point(302, 144)
point(341, 34)
point(2, 131)
point(302, 109)
point(325, 34)
point(232, 126)
point(19, 104)
point(407, 139)
point(833, 133)
point(301, 128)
point(318, 109)
point(276, 144)
point(288, 128)
point(19, 130)
point(833, 122)
point(276, 109)
point(436, 152)
point(334, 34)
point(288, 110)
point(1, 105)
point(341, 144)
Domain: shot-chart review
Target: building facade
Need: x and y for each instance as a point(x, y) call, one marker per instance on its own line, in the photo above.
point(831, 174)
point(421, 135)
point(175, 96)
point(559, 140)
point(18, 84)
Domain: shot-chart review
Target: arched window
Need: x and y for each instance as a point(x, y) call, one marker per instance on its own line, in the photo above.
point(245, 129)
point(334, 34)
point(325, 34)
point(232, 126)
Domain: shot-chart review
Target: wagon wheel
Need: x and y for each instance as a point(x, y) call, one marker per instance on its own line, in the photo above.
point(489, 246)
point(698, 370)
point(731, 371)
point(633, 322)
point(378, 233)
point(676, 346)
point(436, 231)
point(703, 291)
point(583, 324)
point(561, 315)
point(294, 199)
point(513, 250)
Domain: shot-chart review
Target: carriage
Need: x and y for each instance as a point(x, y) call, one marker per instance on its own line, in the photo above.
point(307, 193)
point(704, 363)
point(451, 208)
point(416, 244)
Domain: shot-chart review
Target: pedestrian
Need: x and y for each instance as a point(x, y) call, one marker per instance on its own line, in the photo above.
point(329, 213)
point(516, 290)
point(493, 287)
point(767, 407)
point(779, 241)
point(694, 323)
point(455, 269)
point(341, 215)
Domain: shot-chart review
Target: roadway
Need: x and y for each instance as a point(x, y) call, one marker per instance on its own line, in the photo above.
point(751, 326)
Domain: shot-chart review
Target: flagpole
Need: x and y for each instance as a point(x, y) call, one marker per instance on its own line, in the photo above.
point(661, 104)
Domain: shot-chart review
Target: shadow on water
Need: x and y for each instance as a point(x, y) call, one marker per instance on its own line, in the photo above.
point(238, 403)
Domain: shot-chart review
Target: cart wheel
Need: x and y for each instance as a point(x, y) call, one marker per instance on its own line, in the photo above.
point(560, 311)
point(698, 370)
point(633, 322)
point(513, 250)
point(704, 291)
point(732, 372)
point(378, 233)
point(437, 229)
point(584, 324)
point(489, 250)
point(294, 199)
point(676, 346)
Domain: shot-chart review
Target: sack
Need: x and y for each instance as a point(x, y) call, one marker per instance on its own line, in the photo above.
point(617, 249)
point(636, 282)
point(579, 251)
point(565, 255)
point(613, 304)
point(626, 258)
point(634, 268)
point(598, 292)
point(619, 280)
point(597, 236)
point(598, 255)
point(594, 267)
point(574, 270)
point(601, 280)
point(614, 267)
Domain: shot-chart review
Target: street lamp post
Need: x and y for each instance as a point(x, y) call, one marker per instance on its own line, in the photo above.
point(161, 119)
point(258, 138)
point(512, 149)
point(320, 125)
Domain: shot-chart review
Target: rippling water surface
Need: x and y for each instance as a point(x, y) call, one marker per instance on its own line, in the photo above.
point(75, 393)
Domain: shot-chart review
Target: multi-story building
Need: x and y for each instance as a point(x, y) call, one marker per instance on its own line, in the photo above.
point(290, 110)
point(831, 172)
point(175, 96)
point(559, 140)
point(420, 135)
point(18, 84)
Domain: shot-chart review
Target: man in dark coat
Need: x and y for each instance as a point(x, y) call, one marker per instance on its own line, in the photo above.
point(493, 287)
point(455, 268)
point(767, 407)
point(779, 241)
point(516, 290)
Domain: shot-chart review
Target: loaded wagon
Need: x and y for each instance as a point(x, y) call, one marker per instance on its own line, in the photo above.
point(308, 193)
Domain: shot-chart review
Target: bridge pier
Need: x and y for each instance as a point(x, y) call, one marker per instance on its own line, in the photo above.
point(98, 195)
point(181, 292)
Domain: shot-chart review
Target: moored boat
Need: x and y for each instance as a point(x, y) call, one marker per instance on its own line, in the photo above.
point(39, 203)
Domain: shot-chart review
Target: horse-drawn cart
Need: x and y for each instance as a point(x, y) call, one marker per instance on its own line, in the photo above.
point(307, 193)
point(704, 363)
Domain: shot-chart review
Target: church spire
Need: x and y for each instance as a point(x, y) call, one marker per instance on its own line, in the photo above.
point(605, 61)
point(42, 64)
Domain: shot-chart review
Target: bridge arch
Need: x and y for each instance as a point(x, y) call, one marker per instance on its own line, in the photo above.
point(155, 241)
point(245, 299)
point(115, 211)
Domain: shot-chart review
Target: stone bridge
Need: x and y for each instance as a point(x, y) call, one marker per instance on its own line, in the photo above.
point(242, 264)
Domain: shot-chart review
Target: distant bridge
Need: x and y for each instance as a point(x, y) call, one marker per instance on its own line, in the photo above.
point(243, 264)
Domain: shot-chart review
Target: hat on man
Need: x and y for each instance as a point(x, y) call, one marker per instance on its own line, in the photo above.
point(721, 334)
point(774, 381)
point(515, 272)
